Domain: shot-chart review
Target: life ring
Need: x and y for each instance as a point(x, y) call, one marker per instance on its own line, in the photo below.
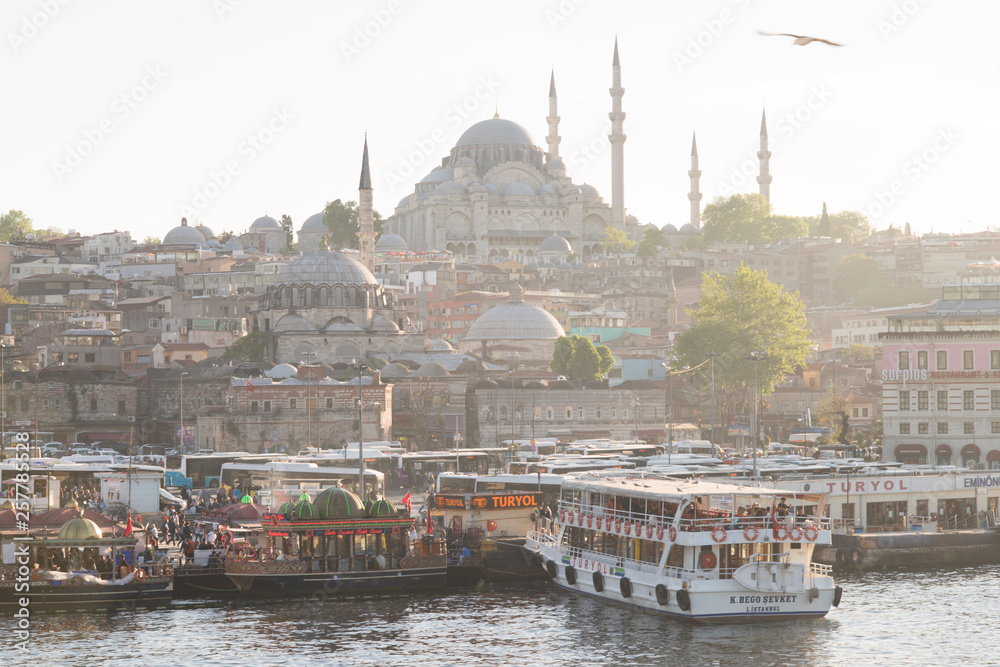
point(780, 533)
point(662, 595)
point(708, 560)
point(625, 586)
point(837, 523)
point(719, 534)
point(274, 520)
point(638, 528)
point(140, 575)
point(607, 523)
point(649, 531)
point(914, 520)
point(672, 533)
point(590, 520)
point(982, 514)
point(795, 533)
point(750, 533)
point(811, 533)
point(598, 582)
point(684, 600)
point(491, 525)
point(628, 527)
point(618, 526)
point(570, 575)
point(659, 531)
point(562, 516)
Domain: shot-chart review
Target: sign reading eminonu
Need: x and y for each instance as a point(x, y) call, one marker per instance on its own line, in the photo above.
point(487, 502)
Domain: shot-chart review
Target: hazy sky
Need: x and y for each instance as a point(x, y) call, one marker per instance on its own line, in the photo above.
point(126, 115)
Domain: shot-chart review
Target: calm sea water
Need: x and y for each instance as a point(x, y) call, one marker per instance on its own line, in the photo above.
point(939, 617)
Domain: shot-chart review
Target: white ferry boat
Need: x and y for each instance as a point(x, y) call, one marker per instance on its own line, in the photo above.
point(696, 550)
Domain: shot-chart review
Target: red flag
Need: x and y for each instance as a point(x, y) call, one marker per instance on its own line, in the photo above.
point(128, 525)
point(249, 386)
point(406, 500)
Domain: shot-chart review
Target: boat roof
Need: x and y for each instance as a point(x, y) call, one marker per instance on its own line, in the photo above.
point(659, 487)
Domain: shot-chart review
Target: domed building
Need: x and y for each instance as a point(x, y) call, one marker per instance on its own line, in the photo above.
point(311, 233)
point(329, 304)
point(498, 194)
point(184, 235)
point(515, 325)
point(265, 235)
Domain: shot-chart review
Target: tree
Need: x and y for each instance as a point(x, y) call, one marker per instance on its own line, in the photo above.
point(855, 275)
point(151, 240)
point(652, 240)
point(824, 223)
point(616, 241)
point(342, 221)
point(576, 357)
point(252, 347)
point(860, 352)
point(852, 226)
point(14, 225)
point(7, 298)
point(741, 218)
point(286, 224)
point(225, 236)
point(738, 316)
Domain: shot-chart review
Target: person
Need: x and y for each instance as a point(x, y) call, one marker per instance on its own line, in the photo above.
point(534, 519)
point(189, 547)
point(546, 516)
point(464, 554)
point(782, 507)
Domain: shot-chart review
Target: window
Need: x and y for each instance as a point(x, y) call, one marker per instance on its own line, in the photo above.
point(614, 413)
point(942, 360)
point(550, 413)
point(597, 412)
point(24, 405)
point(969, 427)
point(922, 428)
point(579, 412)
point(995, 359)
point(45, 404)
point(921, 400)
point(93, 405)
point(624, 413)
point(943, 398)
point(967, 360)
point(254, 405)
point(88, 357)
point(292, 403)
point(329, 404)
point(968, 400)
point(267, 406)
point(904, 400)
point(922, 359)
point(904, 428)
point(942, 428)
point(569, 412)
point(994, 427)
point(904, 359)
point(121, 407)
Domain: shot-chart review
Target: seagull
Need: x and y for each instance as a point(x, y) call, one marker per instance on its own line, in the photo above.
point(800, 40)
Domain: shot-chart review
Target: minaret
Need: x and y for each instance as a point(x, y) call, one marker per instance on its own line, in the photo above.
point(617, 139)
point(553, 120)
point(366, 215)
point(764, 155)
point(695, 195)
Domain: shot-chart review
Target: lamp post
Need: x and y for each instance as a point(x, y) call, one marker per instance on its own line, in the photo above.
point(635, 432)
point(308, 368)
point(712, 356)
point(182, 446)
point(670, 423)
point(360, 367)
point(37, 449)
point(513, 364)
point(756, 358)
point(3, 406)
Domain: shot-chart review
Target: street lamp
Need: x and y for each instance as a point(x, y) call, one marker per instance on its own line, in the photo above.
point(513, 364)
point(670, 423)
point(756, 357)
point(37, 448)
point(182, 445)
point(712, 356)
point(308, 368)
point(3, 407)
point(360, 367)
point(635, 432)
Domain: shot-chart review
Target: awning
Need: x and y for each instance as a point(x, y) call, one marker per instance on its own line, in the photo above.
point(971, 451)
point(943, 450)
point(993, 455)
point(910, 450)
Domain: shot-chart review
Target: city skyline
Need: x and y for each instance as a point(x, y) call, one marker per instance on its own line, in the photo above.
point(228, 110)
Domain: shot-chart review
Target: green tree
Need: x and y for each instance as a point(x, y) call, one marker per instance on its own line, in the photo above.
point(741, 218)
point(286, 224)
point(616, 241)
point(855, 275)
point(652, 240)
point(225, 237)
point(342, 221)
point(786, 227)
point(739, 316)
point(606, 362)
point(252, 347)
point(576, 357)
point(151, 240)
point(561, 355)
point(860, 352)
point(8, 298)
point(14, 225)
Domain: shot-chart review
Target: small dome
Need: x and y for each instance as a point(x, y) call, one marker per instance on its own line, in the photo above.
point(381, 508)
point(80, 529)
point(555, 163)
point(395, 370)
point(205, 231)
point(518, 189)
point(565, 266)
point(548, 190)
point(294, 322)
point(7, 505)
point(431, 369)
point(233, 245)
point(491, 188)
point(465, 161)
point(531, 266)
point(571, 190)
point(438, 175)
point(435, 345)
point(449, 188)
point(391, 243)
point(324, 267)
point(669, 229)
point(383, 324)
point(337, 503)
point(342, 325)
point(555, 243)
point(282, 371)
point(288, 507)
point(515, 320)
point(631, 219)
point(71, 502)
point(690, 229)
point(404, 202)
point(496, 132)
point(476, 188)
point(183, 235)
point(264, 223)
point(214, 243)
point(304, 511)
point(314, 223)
point(589, 191)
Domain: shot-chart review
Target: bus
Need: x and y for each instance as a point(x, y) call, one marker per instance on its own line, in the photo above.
point(414, 466)
point(703, 447)
point(202, 471)
point(272, 476)
point(623, 448)
point(450, 482)
point(563, 464)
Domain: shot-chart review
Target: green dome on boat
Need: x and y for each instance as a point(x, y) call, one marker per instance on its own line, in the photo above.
point(80, 529)
point(381, 508)
point(304, 511)
point(288, 509)
point(337, 503)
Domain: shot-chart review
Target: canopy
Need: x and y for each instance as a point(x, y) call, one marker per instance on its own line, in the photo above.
point(943, 450)
point(971, 451)
point(993, 455)
point(910, 450)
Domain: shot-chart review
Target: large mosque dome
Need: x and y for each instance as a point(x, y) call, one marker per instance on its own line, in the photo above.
point(496, 132)
point(184, 235)
point(265, 222)
point(515, 320)
point(324, 267)
point(391, 243)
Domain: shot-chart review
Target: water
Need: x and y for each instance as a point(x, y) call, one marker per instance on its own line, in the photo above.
point(934, 617)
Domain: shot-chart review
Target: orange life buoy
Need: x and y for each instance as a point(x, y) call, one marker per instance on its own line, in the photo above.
point(672, 533)
point(618, 526)
point(795, 533)
point(637, 528)
point(491, 525)
point(562, 516)
point(140, 575)
point(590, 519)
point(659, 531)
point(607, 523)
point(628, 527)
point(649, 530)
point(780, 533)
point(750, 533)
point(708, 561)
point(811, 533)
point(719, 534)
point(837, 523)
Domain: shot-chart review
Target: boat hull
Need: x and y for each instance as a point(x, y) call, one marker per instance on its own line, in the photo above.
point(62, 596)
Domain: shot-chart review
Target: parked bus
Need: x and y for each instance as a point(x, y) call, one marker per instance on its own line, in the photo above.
point(450, 482)
point(414, 466)
point(203, 471)
point(275, 475)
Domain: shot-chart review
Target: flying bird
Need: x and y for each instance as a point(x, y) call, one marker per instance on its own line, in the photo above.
point(800, 40)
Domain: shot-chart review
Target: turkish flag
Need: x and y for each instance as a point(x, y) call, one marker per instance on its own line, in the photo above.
point(128, 525)
point(406, 500)
point(249, 386)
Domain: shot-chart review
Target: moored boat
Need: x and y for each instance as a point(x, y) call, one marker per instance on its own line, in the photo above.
point(695, 550)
